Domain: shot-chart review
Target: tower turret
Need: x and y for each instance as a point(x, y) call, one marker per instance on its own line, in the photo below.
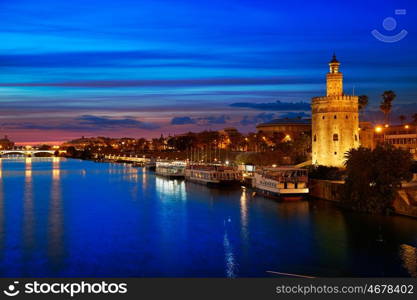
point(334, 78)
point(334, 121)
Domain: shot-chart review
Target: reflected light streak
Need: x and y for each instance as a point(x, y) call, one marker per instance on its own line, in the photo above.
point(408, 255)
point(28, 209)
point(56, 171)
point(28, 169)
point(229, 257)
point(173, 188)
point(55, 226)
point(2, 216)
point(244, 214)
point(144, 179)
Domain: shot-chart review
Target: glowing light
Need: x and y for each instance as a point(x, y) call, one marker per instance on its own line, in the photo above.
point(378, 129)
point(386, 125)
point(406, 126)
point(227, 162)
point(274, 165)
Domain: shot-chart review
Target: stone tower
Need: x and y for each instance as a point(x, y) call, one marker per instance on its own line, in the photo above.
point(335, 121)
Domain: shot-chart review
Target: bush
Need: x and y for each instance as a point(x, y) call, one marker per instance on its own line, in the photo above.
point(373, 177)
point(326, 173)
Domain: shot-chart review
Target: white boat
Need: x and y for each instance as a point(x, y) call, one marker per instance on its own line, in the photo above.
point(213, 174)
point(170, 169)
point(150, 164)
point(287, 183)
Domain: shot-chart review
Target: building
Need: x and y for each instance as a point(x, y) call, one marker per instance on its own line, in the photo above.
point(400, 136)
point(367, 135)
point(335, 124)
point(289, 128)
point(6, 144)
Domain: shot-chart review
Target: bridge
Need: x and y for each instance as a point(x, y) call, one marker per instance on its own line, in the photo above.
point(26, 152)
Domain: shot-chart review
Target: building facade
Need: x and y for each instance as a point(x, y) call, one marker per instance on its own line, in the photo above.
point(335, 124)
point(291, 128)
point(6, 143)
point(400, 136)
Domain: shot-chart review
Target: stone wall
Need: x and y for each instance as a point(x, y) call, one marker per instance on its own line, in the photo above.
point(326, 189)
point(405, 202)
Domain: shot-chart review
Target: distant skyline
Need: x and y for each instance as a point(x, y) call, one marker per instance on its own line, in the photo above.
point(142, 68)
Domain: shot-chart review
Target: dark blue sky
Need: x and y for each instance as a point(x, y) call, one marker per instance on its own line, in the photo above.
point(80, 67)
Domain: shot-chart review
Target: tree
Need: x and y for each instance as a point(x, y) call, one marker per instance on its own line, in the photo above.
point(414, 117)
point(373, 177)
point(362, 102)
point(386, 103)
point(402, 119)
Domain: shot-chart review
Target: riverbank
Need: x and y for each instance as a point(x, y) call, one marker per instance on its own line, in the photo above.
point(405, 202)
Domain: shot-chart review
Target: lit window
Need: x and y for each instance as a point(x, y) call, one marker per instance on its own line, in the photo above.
point(335, 137)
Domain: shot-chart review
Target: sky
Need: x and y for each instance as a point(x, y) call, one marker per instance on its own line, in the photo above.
point(145, 68)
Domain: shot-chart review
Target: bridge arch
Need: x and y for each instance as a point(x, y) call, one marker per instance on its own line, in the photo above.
point(26, 152)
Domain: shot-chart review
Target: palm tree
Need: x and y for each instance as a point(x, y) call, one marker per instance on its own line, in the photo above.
point(402, 119)
point(414, 117)
point(386, 103)
point(362, 103)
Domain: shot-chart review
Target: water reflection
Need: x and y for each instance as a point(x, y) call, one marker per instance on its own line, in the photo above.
point(61, 224)
point(244, 216)
point(55, 228)
point(28, 210)
point(229, 256)
point(170, 188)
point(408, 256)
point(144, 179)
point(2, 215)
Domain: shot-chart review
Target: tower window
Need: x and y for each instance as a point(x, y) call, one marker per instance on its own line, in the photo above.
point(335, 137)
point(323, 117)
point(315, 138)
point(347, 117)
point(335, 153)
point(356, 137)
point(335, 117)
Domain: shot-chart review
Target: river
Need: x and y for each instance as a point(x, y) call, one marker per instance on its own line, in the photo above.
point(64, 217)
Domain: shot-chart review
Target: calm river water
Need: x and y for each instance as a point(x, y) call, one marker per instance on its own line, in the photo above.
point(63, 217)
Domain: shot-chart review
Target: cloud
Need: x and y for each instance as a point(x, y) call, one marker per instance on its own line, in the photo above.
point(182, 121)
point(278, 105)
point(107, 122)
point(213, 120)
point(208, 120)
point(167, 83)
point(85, 123)
point(293, 115)
point(260, 118)
point(100, 59)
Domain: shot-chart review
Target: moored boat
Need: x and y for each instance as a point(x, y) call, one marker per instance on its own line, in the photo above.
point(285, 183)
point(213, 174)
point(173, 169)
point(150, 164)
